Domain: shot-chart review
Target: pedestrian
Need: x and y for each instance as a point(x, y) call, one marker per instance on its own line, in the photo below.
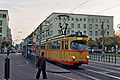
point(41, 64)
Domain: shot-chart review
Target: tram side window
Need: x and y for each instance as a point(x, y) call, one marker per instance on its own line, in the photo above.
point(52, 45)
point(43, 46)
point(62, 45)
point(58, 45)
point(66, 44)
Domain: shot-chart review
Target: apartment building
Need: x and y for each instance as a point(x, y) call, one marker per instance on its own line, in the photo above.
point(68, 23)
point(5, 31)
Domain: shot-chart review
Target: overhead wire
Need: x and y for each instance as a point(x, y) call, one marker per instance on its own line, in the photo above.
point(79, 5)
point(108, 8)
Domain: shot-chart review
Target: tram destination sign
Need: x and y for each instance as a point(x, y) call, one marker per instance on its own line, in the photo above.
point(80, 38)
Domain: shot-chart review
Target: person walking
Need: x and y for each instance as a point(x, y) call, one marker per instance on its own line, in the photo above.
point(41, 64)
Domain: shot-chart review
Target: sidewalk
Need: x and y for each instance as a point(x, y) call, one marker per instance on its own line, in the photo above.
point(50, 67)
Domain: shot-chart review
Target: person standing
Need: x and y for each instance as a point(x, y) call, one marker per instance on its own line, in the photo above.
point(41, 64)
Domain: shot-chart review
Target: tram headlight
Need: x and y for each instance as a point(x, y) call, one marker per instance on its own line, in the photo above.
point(87, 57)
point(73, 57)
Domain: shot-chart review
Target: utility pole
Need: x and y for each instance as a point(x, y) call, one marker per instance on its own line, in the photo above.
point(103, 32)
point(40, 37)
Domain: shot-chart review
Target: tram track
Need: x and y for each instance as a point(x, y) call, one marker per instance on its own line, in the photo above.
point(95, 71)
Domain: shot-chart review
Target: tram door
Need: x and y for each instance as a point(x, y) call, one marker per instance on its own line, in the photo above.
point(64, 48)
point(63, 51)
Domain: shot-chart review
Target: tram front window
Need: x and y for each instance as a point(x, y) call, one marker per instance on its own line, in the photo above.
point(78, 45)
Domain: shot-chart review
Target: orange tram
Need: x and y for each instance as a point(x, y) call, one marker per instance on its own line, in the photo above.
point(71, 50)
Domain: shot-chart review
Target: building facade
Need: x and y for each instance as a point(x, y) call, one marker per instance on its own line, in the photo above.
point(5, 31)
point(66, 23)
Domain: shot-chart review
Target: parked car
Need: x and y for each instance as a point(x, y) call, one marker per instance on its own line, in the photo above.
point(12, 51)
point(19, 51)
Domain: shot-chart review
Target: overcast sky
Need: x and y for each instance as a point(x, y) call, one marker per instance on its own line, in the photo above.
point(26, 15)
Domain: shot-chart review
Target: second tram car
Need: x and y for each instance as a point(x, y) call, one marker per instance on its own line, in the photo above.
point(70, 49)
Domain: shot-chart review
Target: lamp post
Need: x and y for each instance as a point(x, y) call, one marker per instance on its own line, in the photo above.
point(103, 32)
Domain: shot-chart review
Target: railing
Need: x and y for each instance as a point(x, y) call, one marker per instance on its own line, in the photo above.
point(101, 57)
point(33, 58)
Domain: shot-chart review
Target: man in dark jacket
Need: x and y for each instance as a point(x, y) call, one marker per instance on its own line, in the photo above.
point(41, 64)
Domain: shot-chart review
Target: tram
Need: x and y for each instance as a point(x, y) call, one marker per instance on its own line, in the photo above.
point(71, 50)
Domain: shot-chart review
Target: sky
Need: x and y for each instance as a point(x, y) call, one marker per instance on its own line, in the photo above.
point(26, 15)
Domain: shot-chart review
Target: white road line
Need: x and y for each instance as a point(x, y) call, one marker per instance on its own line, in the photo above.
point(105, 69)
point(65, 77)
point(106, 66)
point(103, 74)
point(28, 64)
point(91, 77)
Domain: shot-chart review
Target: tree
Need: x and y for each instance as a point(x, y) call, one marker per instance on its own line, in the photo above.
point(92, 43)
point(108, 42)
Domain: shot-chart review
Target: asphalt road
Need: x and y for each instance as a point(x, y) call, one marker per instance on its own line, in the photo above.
point(20, 69)
point(98, 71)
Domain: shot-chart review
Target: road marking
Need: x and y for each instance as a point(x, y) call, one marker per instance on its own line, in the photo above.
point(105, 69)
point(65, 77)
point(106, 66)
point(28, 64)
point(103, 74)
point(91, 77)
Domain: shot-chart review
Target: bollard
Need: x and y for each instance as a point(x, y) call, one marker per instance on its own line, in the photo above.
point(115, 58)
point(7, 68)
point(109, 58)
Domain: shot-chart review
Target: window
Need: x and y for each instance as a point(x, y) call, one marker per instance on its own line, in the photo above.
point(0, 22)
point(84, 25)
point(78, 45)
point(96, 26)
point(96, 33)
point(84, 19)
point(107, 33)
point(66, 44)
point(99, 20)
point(72, 31)
point(43, 46)
point(72, 25)
point(0, 15)
point(96, 20)
point(90, 26)
point(59, 25)
point(107, 21)
point(68, 31)
point(96, 39)
point(90, 32)
point(80, 19)
point(0, 29)
point(107, 26)
point(58, 45)
point(4, 15)
point(78, 26)
point(72, 19)
point(92, 20)
point(84, 32)
point(90, 38)
point(62, 45)
point(77, 19)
